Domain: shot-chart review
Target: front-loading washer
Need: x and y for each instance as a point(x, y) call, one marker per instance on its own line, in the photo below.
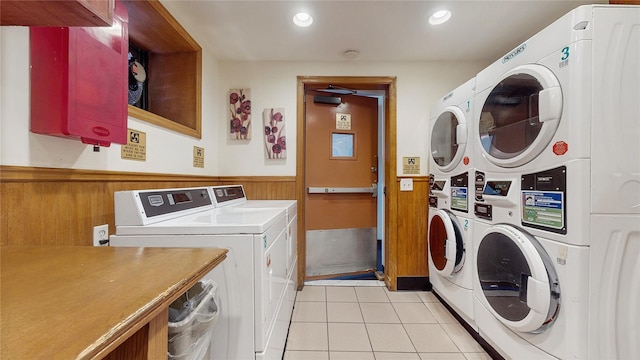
point(449, 225)
point(570, 92)
point(450, 255)
point(530, 291)
point(605, 317)
point(255, 268)
point(533, 296)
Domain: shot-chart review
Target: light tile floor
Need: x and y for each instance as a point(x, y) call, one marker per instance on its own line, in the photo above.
point(372, 323)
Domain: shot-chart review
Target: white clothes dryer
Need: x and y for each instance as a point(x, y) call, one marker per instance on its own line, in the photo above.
point(251, 326)
point(450, 160)
point(450, 126)
point(570, 92)
point(450, 228)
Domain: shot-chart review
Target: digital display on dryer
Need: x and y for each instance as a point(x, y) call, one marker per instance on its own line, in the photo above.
point(498, 188)
point(179, 198)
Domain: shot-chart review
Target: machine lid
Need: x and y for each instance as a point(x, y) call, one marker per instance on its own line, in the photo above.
point(449, 138)
point(446, 243)
point(229, 220)
point(520, 115)
point(518, 281)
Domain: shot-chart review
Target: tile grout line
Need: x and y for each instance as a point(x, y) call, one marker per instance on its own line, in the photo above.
point(366, 329)
point(395, 311)
point(405, 329)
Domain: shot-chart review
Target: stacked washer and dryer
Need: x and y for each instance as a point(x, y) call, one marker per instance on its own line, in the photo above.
point(450, 220)
point(557, 191)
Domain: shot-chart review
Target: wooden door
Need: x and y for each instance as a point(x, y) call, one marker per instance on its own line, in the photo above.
point(341, 164)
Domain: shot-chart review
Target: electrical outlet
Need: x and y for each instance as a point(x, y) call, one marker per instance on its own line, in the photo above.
point(406, 184)
point(101, 235)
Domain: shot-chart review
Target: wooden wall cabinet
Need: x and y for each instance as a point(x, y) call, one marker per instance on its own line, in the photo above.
point(174, 72)
point(56, 13)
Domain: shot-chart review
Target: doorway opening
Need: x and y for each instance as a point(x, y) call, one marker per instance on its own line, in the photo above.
point(346, 158)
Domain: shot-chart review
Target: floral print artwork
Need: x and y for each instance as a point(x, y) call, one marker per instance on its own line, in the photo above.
point(240, 114)
point(274, 134)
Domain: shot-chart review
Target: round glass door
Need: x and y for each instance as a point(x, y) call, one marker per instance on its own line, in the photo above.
point(519, 284)
point(448, 138)
point(446, 244)
point(520, 115)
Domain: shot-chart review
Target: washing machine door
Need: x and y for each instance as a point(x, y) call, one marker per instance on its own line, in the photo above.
point(517, 278)
point(448, 138)
point(446, 243)
point(520, 115)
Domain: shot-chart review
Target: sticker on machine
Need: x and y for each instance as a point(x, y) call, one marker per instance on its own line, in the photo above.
point(459, 199)
point(543, 208)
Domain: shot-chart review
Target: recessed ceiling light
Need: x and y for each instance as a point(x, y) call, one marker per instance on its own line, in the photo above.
point(440, 17)
point(302, 19)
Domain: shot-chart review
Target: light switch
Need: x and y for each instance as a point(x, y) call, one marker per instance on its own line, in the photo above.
point(406, 184)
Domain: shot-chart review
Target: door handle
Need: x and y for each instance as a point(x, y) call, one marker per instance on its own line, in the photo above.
point(344, 190)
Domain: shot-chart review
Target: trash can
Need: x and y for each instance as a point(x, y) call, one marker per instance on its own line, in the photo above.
point(191, 320)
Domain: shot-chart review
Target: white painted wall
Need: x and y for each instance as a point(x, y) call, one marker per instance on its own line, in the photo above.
point(273, 84)
point(167, 151)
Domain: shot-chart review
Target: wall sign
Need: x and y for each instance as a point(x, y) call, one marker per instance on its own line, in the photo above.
point(410, 165)
point(136, 147)
point(198, 157)
point(343, 121)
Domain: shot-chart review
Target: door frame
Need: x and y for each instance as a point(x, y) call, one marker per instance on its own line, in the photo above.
point(387, 83)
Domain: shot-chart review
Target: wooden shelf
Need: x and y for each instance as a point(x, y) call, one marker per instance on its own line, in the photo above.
point(174, 70)
point(56, 13)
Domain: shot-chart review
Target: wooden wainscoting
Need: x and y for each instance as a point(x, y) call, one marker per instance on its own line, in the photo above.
point(47, 206)
point(411, 246)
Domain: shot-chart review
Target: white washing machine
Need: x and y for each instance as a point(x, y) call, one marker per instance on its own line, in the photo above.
point(530, 292)
point(570, 92)
point(450, 227)
point(255, 267)
point(291, 213)
point(533, 294)
point(598, 315)
point(233, 197)
point(558, 114)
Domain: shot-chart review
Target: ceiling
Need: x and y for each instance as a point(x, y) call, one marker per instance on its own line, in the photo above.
point(393, 30)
